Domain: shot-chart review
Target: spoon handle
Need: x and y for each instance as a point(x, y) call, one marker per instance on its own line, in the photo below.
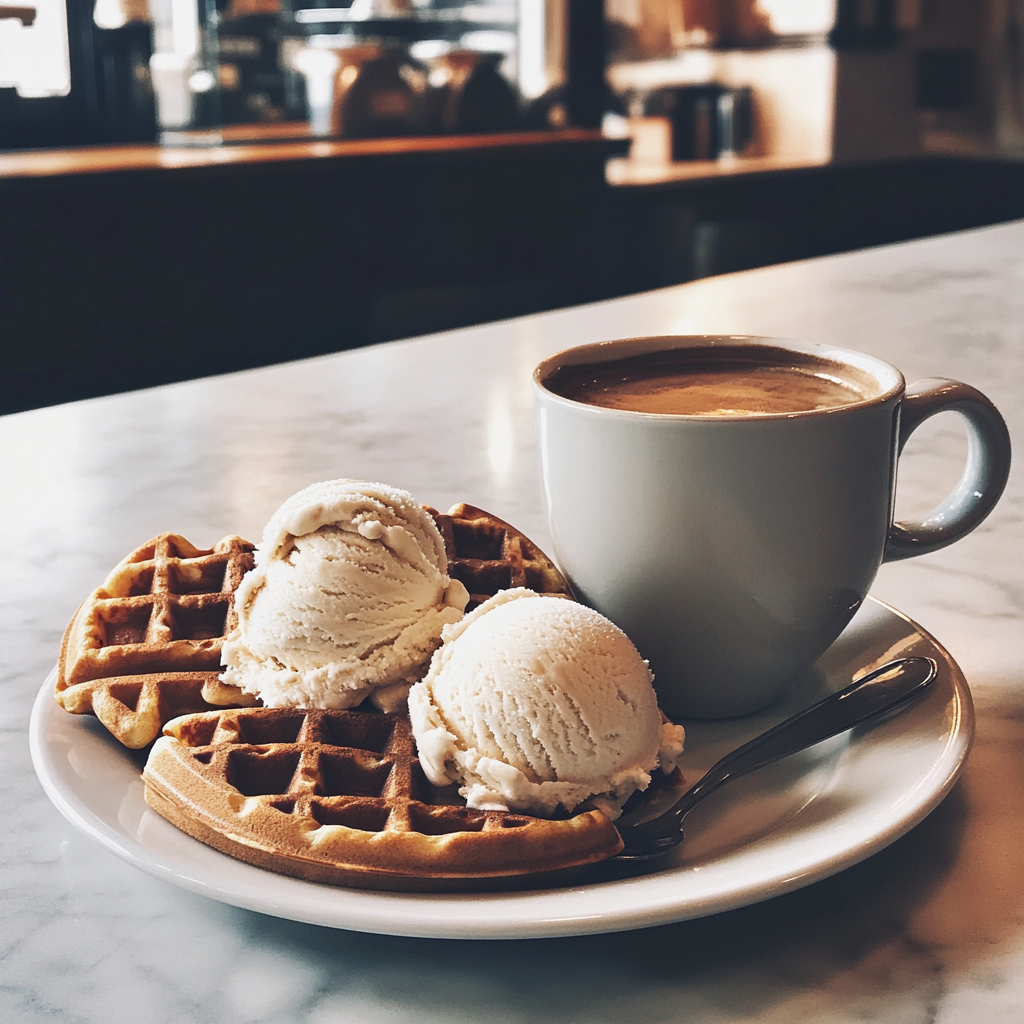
point(867, 698)
point(880, 691)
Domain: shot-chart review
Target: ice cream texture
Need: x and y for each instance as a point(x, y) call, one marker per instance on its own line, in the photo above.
point(348, 598)
point(535, 703)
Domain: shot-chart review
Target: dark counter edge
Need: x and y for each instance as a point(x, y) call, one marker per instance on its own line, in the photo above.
point(113, 281)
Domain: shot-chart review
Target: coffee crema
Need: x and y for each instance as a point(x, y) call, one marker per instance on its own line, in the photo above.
point(688, 382)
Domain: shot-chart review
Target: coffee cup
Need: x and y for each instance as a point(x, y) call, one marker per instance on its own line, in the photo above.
point(727, 501)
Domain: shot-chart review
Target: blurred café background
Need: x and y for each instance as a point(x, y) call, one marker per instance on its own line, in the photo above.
point(190, 187)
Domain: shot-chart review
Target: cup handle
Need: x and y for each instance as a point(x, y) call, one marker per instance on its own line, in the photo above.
point(984, 476)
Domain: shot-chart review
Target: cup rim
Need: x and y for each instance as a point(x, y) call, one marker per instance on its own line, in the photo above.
point(620, 348)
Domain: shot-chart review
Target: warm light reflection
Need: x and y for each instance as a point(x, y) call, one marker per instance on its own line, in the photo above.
point(500, 437)
point(43, 452)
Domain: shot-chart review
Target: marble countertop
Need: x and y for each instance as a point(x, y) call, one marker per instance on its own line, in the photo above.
point(929, 930)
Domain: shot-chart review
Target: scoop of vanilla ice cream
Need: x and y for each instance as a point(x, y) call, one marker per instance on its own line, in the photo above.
point(534, 702)
point(348, 598)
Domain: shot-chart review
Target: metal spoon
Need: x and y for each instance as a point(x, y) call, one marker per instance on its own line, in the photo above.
point(880, 692)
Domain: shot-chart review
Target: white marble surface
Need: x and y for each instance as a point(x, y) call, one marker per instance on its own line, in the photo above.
point(930, 930)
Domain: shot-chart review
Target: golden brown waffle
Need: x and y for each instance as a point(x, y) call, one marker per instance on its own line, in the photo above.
point(339, 797)
point(487, 555)
point(145, 647)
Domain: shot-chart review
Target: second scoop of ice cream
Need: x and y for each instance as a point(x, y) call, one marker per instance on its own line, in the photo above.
point(534, 703)
point(348, 598)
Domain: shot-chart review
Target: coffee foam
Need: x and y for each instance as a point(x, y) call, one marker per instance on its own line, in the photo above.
point(726, 381)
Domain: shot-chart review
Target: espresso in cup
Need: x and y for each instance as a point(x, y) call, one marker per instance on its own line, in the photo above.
point(727, 382)
point(727, 501)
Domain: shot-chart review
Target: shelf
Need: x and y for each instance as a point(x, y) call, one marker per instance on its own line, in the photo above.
point(112, 159)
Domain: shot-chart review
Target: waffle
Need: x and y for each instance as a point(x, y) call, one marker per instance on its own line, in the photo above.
point(145, 647)
point(487, 555)
point(338, 797)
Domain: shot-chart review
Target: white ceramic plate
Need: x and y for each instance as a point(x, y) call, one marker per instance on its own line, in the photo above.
point(774, 831)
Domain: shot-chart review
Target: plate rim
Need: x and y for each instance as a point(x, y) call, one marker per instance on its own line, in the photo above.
point(382, 912)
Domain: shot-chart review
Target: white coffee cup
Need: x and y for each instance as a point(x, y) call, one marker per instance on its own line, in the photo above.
point(734, 549)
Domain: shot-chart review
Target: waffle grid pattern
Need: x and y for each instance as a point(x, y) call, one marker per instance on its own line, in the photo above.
point(487, 555)
point(339, 797)
point(167, 592)
point(335, 767)
point(146, 645)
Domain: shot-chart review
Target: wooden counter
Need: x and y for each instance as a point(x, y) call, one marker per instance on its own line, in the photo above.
point(274, 146)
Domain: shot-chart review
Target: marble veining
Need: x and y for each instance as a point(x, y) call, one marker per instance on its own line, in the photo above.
point(929, 930)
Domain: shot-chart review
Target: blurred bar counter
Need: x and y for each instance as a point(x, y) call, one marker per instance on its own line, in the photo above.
point(131, 266)
point(274, 143)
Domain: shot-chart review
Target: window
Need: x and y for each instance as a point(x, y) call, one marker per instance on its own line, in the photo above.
point(34, 49)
